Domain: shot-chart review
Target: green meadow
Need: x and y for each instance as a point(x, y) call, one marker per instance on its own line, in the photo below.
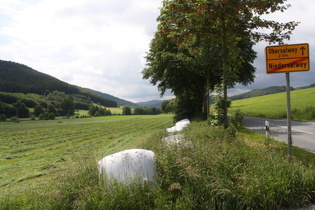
point(274, 105)
point(30, 151)
point(53, 164)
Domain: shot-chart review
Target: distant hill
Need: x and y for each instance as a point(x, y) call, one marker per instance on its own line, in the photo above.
point(19, 78)
point(149, 104)
point(121, 102)
point(305, 87)
point(260, 92)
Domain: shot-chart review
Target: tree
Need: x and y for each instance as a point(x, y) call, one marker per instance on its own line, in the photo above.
point(67, 106)
point(93, 109)
point(139, 111)
point(171, 67)
point(38, 110)
point(223, 30)
point(44, 116)
point(51, 109)
point(21, 109)
point(3, 118)
point(126, 110)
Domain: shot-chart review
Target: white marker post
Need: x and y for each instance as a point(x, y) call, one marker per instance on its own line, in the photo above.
point(267, 129)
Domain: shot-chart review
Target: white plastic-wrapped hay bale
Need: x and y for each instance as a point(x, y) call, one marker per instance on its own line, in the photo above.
point(174, 139)
point(134, 165)
point(179, 126)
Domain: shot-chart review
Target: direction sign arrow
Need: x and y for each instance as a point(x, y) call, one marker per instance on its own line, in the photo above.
point(302, 49)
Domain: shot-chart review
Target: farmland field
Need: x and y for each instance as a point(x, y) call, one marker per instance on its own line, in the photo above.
point(32, 150)
point(274, 105)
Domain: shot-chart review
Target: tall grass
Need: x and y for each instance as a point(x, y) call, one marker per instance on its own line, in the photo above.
point(212, 169)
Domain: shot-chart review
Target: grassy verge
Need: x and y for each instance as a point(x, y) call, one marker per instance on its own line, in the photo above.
point(217, 169)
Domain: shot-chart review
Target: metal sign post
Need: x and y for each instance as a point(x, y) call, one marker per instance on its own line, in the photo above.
point(285, 59)
point(289, 115)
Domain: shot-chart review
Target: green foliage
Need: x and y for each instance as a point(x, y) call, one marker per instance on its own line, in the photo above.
point(67, 106)
point(219, 106)
point(38, 110)
point(126, 110)
point(186, 108)
point(52, 116)
point(44, 116)
point(14, 119)
point(33, 117)
point(21, 110)
point(146, 111)
point(205, 43)
point(236, 120)
point(3, 118)
point(18, 78)
point(98, 111)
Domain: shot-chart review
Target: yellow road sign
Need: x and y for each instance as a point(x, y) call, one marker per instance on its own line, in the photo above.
point(287, 58)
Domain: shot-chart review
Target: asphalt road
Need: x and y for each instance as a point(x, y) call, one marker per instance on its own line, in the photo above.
point(303, 133)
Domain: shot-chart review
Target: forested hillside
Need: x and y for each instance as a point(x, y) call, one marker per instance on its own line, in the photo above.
point(19, 78)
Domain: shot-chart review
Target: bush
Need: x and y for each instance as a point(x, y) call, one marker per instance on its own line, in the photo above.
point(3, 118)
point(52, 116)
point(236, 120)
point(15, 119)
point(44, 116)
point(33, 117)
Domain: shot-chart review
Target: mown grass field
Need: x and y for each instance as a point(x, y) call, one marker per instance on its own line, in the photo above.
point(274, 105)
point(212, 168)
point(31, 151)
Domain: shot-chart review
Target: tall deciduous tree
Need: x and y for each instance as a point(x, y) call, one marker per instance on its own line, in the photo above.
point(216, 39)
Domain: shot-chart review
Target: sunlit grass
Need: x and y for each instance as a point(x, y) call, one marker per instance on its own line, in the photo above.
point(274, 105)
point(32, 149)
point(212, 169)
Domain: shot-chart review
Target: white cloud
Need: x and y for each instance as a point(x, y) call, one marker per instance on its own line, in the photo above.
point(88, 43)
point(100, 44)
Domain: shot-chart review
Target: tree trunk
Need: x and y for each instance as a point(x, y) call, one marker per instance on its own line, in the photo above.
point(224, 76)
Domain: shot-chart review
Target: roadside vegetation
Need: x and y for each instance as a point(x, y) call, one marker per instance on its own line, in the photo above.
point(214, 168)
point(274, 105)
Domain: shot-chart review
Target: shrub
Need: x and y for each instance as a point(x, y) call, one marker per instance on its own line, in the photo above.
point(52, 116)
point(33, 117)
point(44, 116)
point(3, 118)
point(236, 120)
point(15, 119)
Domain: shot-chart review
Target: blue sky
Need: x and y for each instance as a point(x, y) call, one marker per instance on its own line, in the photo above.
point(101, 44)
